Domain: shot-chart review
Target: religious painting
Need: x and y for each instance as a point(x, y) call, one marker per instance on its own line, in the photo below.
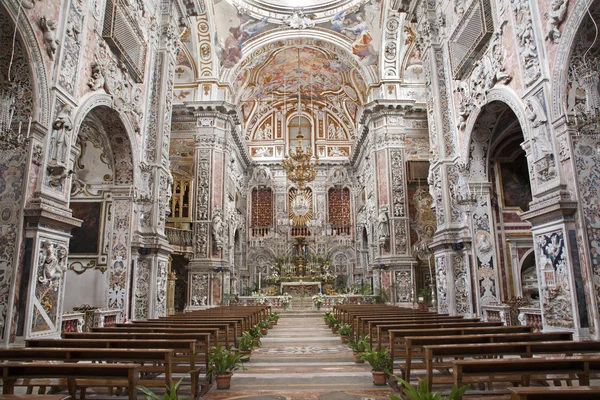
point(516, 189)
point(264, 151)
point(85, 239)
point(362, 28)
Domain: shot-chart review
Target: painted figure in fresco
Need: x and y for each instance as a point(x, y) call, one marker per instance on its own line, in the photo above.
point(361, 47)
point(338, 21)
point(231, 49)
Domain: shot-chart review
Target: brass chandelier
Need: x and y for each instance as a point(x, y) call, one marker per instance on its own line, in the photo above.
point(298, 165)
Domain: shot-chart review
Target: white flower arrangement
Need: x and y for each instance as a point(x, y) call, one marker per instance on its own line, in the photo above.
point(286, 300)
point(318, 299)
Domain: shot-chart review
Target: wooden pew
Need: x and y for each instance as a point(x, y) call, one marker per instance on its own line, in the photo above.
point(369, 324)
point(34, 397)
point(554, 393)
point(523, 370)
point(230, 329)
point(76, 375)
point(436, 356)
point(213, 331)
point(397, 336)
point(414, 345)
point(191, 351)
point(427, 325)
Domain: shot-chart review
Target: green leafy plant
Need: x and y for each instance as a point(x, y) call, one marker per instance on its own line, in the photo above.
point(422, 392)
point(171, 393)
point(256, 334)
point(224, 361)
point(360, 345)
point(264, 324)
point(345, 330)
point(380, 360)
point(245, 342)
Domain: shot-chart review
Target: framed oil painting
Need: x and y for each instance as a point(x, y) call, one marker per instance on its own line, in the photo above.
point(516, 190)
point(86, 239)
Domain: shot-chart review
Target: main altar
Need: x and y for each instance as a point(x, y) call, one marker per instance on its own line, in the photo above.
point(301, 273)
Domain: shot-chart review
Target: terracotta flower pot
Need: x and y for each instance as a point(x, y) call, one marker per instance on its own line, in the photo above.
point(335, 329)
point(224, 381)
point(357, 358)
point(379, 378)
point(264, 331)
point(246, 353)
point(344, 338)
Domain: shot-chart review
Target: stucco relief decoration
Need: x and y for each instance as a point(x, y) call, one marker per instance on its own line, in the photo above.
point(404, 293)
point(398, 196)
point(218, 228)
point(544, 158)
point(461, 285)
point(400, 236)
point(486, 259)
point(587, 163)
point(48, 27)
point(119, 255)
point(201, 242)
point(51, 265)
point(527, 48)
point(71, 49)
point(441, 284)
point(166, 184)
point(142, 289)
point(435, 187)
point(298, 20)
point(448, 136)
point(487, 73)
point(557, 308)
point(203, 176)
point(153, 111)
point(161, 290)
point(555, 17)
point(199, 290)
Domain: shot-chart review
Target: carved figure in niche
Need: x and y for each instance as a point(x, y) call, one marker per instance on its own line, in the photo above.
point(73, 30)
point(61, 135)
point(48, 27)
point(53, 265)
point(383, 224)
point(218, 228)
point(556, 16)
point(482, 242)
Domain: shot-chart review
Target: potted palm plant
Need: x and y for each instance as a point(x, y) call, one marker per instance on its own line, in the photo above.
point(345, 330)
point(422, 391)
point(275, 316)
point(221, 364)
point(245, 344)
point(264, 327)
point(358, 347)
point(256, 334)
point(381, 363)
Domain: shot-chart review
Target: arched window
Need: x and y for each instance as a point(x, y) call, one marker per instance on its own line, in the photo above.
point(300, 125)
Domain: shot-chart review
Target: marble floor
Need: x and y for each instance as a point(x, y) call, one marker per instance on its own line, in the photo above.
point(301, 359)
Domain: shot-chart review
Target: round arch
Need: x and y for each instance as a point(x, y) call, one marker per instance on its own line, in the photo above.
point(104, 102)
point(498, 94)
point(559, 76)
point(27, 37)
point(256, 47)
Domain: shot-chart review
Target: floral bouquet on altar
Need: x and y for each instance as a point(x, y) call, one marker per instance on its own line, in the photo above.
point(318, 300)
point(286, 300)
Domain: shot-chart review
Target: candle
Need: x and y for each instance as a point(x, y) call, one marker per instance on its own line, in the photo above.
point(29, 127)
point(20, 125)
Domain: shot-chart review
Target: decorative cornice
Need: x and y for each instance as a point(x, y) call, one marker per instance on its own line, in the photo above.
point(557, 207)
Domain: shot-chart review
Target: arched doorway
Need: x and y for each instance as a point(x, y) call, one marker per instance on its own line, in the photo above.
point(99, 262)
point(499, 185)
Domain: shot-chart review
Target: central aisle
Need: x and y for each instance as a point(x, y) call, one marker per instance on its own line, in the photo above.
point(301, 359)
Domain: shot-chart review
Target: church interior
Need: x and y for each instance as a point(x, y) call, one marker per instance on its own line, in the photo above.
point(168, 157)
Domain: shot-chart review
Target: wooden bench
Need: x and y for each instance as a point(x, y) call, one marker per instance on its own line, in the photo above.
point(76, 375)
point(397, 336)
point(425, 325)
point(213, 331)
point(233, 326)
point(523, 370)
point(190, 354)
point(436, 356)
point(369, 325)
point(34, 397)
point(555, 393)
point(414, 345)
